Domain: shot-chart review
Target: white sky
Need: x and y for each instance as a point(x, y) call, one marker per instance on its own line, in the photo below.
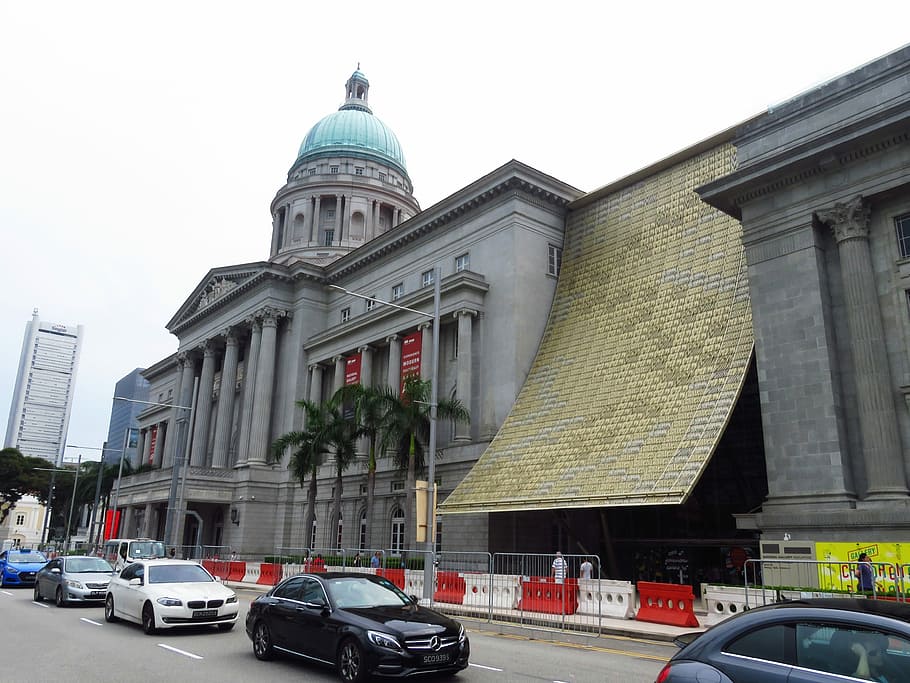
point(141, 143)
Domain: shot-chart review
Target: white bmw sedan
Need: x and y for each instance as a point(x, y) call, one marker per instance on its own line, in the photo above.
point(162, 594)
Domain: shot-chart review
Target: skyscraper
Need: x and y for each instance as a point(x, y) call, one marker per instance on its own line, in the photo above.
point(43, 396)
point(123, 417)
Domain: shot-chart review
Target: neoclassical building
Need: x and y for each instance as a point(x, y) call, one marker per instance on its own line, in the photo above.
point(255, 337)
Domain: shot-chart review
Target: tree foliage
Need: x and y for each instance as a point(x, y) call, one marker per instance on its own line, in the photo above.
point(19, 477)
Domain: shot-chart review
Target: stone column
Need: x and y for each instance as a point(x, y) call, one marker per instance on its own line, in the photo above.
point(338, 379)
point(203, 406)
point(126, 526)
point(184, 396)
point(337, 226)
point(146, 530)
point(249, 387)
point(225, 415)
point(346, 221)
point(396, 216)
point(314, 228)
point(394, 377)
point(377, 210)
point(463, 377)
point(262, 396)
point(426, 350)
point(315, 383)
point(882, 452)
point(366, 365)
point(140, 447)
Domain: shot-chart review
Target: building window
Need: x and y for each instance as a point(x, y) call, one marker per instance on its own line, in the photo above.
point(329, 236)
point(902, 225)
point(554, 260)
point(397, 541)
point(438, 535)
point(333, 169)
point(382, 177)
point(345, 314)
point(20, 519)
point(397, 291)
point(371, 303)
point(398, 485)
point(313, 534)
point(462, 262)
point(363, 531)
point(311, 171)
point(330, 214)
point(338, 534)
point(358, 170)
point(426, 278)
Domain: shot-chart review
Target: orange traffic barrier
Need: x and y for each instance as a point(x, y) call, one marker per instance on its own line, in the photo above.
point(236, 571)
point(209, 566)
point(269, 574)
point(543, 594)
point(666, 603)
point(396, 576)
point(450, 587)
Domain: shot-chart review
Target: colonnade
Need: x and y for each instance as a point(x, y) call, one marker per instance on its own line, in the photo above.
point(343, 203)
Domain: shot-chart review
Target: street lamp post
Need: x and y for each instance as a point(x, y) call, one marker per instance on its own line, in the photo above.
point(69, 519)
point(428, 578)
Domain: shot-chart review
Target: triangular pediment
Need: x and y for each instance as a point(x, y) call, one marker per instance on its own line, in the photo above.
point(218, 286)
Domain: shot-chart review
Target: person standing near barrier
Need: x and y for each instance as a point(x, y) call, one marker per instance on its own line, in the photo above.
point(376, 560)
point(586, 569)
point(558, 568)
point(863, 574)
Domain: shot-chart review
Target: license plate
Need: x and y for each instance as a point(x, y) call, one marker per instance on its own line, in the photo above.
point(435, 659)
point(205, 613)
point(96, 595)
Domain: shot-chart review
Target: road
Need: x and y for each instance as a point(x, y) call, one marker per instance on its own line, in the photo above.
point(42, 642)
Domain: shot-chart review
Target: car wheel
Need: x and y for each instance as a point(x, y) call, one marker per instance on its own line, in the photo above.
point(262, 641)
point(148, 619)
point(350, 662)
point(38, 597)
point(109, 610)
point(59, 597)
point(225, 627)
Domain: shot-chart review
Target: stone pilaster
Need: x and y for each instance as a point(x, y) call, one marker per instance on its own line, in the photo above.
point(249, 389)
point(225, 415)
point(203, 406)
point(366, 365)
point(338, 378)
point(426, 350)
point(464, 376)
point(265, 387)
point(315, 383)
point(394, 377)
point(314, 228)
point(882, 452)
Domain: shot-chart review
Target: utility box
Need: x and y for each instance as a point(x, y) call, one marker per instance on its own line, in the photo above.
point(795, 565)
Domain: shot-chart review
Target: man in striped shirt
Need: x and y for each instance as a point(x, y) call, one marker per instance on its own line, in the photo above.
point(558, 569)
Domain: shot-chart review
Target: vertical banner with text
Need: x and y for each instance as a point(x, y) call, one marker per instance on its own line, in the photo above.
point(111, 524)
point(410, 356)
point(351, 376)
point(153, 440)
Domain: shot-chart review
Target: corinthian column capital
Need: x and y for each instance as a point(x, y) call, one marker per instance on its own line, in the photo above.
point(848, 220)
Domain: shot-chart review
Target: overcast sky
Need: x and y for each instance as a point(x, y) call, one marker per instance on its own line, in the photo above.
point(141, 143)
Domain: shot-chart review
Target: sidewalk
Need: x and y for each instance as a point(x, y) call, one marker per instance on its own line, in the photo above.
point(571, 629)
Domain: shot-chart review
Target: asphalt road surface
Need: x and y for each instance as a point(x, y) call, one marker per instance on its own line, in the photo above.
point(41, 642)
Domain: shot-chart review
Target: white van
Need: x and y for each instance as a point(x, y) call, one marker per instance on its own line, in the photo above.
point(122, 551)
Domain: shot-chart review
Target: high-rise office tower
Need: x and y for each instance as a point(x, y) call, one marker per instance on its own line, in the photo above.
point(123, 431)
point(39, 413)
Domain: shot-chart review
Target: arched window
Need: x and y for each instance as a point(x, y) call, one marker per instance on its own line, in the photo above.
point(397, 540)
point(363, 530)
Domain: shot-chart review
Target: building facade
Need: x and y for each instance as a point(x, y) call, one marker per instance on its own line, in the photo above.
point(124, 425)
point(45, 384)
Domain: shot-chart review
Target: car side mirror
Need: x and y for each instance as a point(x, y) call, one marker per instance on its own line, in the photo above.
point(414, 599)
point(136, 582)
point(55, 570)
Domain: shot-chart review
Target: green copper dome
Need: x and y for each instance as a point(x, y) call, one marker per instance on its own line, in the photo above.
point(353, 132)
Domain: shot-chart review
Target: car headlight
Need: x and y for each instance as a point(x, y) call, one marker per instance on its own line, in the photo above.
point(12, 570)
point(74, 584)
point(384, 640)
point(231, 599)
point(170, 602)
point(461, 635)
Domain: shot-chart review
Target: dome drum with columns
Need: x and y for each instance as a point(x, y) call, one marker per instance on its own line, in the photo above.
point(348, 185)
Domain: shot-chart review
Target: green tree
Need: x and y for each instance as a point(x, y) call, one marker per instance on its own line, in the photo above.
point(408, 430)
point(19, 477)
point(342, 435)
point(308, 448)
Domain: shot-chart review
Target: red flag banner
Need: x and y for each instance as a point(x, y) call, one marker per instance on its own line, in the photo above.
point(352, 369)
point(153, 440)
point(410, 355)
point(111, 524)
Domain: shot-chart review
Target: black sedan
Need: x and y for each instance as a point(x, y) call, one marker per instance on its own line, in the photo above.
point(801, 641)
point(361, 624)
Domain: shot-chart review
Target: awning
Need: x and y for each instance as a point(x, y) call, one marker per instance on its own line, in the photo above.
point(643, 358)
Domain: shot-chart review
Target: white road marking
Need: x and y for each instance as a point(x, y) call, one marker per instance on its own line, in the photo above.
point(179, 652)
point(41, 604)
point(481, 666)
point(7, 593)
point(89, 621)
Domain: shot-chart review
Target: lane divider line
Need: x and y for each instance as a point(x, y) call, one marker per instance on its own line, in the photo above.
point(179, 652)
point(41, 604)
point(481, 666)
point(89, 621)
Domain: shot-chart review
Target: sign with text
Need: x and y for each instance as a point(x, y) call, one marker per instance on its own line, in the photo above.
point(410, 355)
point(153, 442)
point(838, 572)
point(352, 369)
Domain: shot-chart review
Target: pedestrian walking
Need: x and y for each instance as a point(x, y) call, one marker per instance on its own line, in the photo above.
point(586, 569)
point(558, 568)
point(863, 574)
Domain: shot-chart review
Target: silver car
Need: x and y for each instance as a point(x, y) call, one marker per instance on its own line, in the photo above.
point(74, 579)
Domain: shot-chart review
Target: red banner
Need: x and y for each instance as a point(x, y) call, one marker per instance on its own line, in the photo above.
point(111, 524)
point(410, 355)
point(153, 439)
point(352, 369)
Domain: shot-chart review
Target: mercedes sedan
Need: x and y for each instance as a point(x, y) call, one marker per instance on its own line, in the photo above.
point(74, 579)
point(802, 641)
point(362, 625)
point(164, 594)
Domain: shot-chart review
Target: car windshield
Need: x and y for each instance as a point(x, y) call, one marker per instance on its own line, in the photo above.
point(26, 556)
point(177, 573)
point(147, 549)
point(84, 565)
point(358, 592)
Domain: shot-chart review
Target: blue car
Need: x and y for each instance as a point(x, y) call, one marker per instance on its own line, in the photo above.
point(19, 566)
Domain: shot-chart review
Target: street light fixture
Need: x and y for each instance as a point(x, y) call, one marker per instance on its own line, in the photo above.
point(429, 547)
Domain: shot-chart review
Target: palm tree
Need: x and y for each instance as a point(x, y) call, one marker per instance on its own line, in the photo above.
point(309, 447)
point(342, 434)
point(408, 429)
point(371, 408)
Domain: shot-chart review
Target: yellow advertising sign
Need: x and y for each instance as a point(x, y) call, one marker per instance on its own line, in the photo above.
point(888, 564)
